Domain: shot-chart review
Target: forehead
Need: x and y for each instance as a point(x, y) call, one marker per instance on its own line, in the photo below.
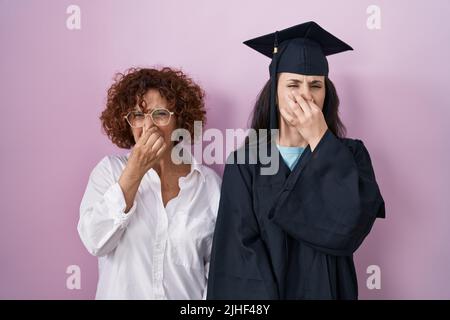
point(286, 76)
point(153, 97)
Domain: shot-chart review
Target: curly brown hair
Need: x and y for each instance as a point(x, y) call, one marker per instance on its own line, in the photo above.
point(180, 91)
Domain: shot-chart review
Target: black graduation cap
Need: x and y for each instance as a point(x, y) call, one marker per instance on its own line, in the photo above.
point(299, 49)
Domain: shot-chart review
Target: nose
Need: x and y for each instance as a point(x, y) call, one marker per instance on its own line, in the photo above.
point(305, 92)
point(148, 122)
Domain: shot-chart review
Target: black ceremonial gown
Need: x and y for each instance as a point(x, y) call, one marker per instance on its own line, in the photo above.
point(292, 235)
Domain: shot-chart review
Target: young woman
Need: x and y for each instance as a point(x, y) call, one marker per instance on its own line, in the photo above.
point(149, 219)
point(292, 234)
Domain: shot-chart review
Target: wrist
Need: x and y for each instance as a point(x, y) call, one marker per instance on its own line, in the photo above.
point(132, 175)
point(315, 141)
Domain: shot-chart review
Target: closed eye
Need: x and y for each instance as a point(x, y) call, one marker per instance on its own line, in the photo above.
point(296, 86)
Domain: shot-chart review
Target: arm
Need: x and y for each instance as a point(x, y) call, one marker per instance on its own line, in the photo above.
point(102, 211)
point(335, 200)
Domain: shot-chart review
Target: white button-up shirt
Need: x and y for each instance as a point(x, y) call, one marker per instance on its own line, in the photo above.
point(151, 252)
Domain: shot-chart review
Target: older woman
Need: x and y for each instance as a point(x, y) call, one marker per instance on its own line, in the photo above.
point(148, 218)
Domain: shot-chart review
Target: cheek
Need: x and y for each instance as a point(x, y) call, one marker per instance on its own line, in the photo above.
point(282, 91)
point(282, 97)
point(319, 98)
point(167, 130)
point(136, 133)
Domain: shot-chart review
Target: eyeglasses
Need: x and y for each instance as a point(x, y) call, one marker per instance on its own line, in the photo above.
point(159, 116)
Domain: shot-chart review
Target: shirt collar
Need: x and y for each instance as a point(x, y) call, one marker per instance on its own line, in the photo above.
point(195, 165)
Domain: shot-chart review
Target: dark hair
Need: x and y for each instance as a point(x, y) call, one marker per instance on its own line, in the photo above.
point(261, 110)
point(181, 92)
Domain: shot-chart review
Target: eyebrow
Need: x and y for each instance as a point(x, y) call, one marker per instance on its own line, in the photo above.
point(311, 82)
point(148, 109)
point(144, 111)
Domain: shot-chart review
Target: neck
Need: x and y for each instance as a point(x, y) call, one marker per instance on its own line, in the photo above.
point(165, 165)
point(290, 137)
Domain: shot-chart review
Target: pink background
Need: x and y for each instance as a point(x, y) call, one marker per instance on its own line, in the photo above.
point(393, 90)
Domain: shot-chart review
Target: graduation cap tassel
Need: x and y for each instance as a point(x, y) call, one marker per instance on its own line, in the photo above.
point(275, 44)
point(273, 123)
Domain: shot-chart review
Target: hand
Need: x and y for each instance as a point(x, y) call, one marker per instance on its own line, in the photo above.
point(306, 117)
point(146, 152)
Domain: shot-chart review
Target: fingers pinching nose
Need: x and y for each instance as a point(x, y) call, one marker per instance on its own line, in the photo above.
point(293, 96)
point(144, 128)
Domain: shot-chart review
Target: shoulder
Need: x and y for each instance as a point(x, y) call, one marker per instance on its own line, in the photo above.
point(110, 165)
point(357, 147)
point(211, 190)
point(245, 157)
point(240, 167)
point(117, 162)
point(212, 179)
point(352, 143)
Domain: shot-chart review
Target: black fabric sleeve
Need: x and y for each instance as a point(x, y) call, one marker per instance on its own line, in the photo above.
point(335, 200)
